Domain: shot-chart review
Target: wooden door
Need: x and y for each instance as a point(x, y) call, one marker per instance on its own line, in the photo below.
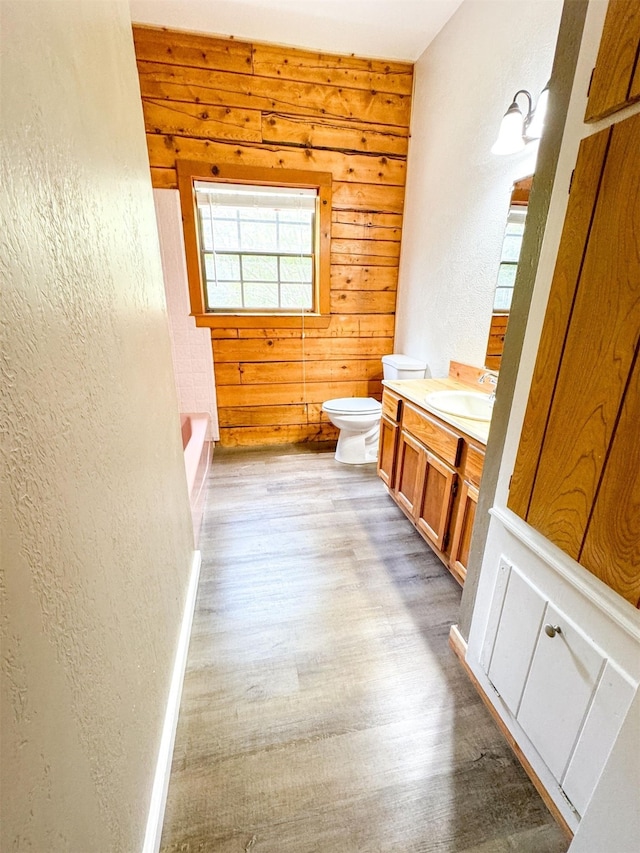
point(411, 461)
point(465, 518)
point(387, 450)
point(436, 498)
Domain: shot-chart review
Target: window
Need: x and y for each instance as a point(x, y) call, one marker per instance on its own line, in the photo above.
point(511, 246)
point(257, 241)
point(256, 246)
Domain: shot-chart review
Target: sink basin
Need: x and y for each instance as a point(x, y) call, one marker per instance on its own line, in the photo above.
point(463, 404)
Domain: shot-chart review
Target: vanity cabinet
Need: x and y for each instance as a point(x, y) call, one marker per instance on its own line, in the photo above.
point(433, 473)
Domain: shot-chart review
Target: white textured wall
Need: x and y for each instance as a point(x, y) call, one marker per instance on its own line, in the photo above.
point(190, 346)
point(457, 191)
point(96, 534)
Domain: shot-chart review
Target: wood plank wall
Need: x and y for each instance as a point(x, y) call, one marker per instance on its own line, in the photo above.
point(221, 100)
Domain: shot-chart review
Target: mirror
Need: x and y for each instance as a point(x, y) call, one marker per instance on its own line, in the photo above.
point(511, 245)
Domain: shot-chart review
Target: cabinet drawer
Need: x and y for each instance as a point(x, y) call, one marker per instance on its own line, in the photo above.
point(473, 465)
point(391, 405)
point(438, 438)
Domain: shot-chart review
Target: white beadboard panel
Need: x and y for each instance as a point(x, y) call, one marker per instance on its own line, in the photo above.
point(606, 715)
point(493, 621)
point(520, 622)
point(562, 681)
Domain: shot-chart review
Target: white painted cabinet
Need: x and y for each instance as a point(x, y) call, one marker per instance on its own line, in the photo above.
point(520, 620)
point(558, 686)
point(563, 678)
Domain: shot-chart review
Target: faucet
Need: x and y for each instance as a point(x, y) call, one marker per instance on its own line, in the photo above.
point(492, 379)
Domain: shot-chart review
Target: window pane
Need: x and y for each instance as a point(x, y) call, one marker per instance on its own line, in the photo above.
point(259, 268)
point(507, 275)
point(296, 269)
point(225, 234)
point(259, 236)
point(209, 268)
point(515, 227)
point(502, 301)
point(298, 296)
point(260, 214)
point(260, 295)
point(295, 238)
point(511, 247)
point(207, 235)
point(296, 215)
point(228, 267)
point(224, 294)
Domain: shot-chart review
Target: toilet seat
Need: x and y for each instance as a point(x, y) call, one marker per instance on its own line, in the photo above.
point(353, 406)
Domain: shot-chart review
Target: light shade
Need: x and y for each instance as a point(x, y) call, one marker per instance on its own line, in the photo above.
point(536, 125)
point(511, 135)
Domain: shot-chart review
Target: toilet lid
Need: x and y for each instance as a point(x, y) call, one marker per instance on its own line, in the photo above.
point(353, 406)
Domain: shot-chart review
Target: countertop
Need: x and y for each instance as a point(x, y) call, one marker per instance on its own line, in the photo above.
point(415, 390)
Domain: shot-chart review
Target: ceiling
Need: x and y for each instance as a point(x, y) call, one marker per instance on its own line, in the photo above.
point(387, 29)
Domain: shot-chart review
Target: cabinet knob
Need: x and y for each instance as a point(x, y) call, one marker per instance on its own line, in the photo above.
point(552, 630)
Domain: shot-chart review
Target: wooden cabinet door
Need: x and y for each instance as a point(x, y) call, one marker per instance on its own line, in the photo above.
point(410, 467)
point(462, 531)
point(436, 498)
point(615, 82)
point(387, 450)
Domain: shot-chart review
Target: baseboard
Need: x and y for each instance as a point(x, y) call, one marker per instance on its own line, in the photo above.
point(155, 819)
point(459, 646)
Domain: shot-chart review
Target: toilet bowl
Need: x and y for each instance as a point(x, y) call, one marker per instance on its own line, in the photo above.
point(358, 419)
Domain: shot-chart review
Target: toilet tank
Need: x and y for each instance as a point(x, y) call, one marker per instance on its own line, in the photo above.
point(398, 366)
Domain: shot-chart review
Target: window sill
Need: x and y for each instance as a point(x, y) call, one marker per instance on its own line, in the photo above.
point(262, 321)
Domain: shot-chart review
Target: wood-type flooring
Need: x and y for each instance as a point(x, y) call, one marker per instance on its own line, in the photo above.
point(323, 710)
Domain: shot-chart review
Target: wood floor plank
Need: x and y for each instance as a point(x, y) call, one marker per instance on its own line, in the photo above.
point(323, 711)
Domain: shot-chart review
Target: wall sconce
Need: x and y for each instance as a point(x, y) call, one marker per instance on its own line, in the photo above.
point(517, 129)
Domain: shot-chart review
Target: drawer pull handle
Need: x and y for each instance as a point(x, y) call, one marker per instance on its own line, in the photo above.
point(552, 630)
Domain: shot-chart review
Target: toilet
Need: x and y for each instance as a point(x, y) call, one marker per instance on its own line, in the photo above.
point(358, 418)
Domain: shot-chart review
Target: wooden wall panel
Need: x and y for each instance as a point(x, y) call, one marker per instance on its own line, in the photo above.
point(576, 478)
point(252, 373)
point(370, 138)
point(613, 85)
point(340, 326)
point(172, 82)
point(164, 150)
point(495, 344)
point(223, 101)
point(349, 71)
point(597, 355)
point(578, 220)
point(614, 527)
